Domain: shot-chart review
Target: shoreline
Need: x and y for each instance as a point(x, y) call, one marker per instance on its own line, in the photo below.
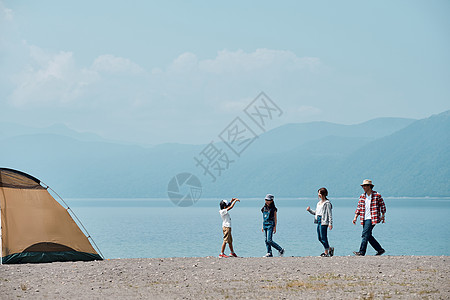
point(368, 277)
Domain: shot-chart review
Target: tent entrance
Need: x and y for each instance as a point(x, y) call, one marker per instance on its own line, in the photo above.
point(48, 247)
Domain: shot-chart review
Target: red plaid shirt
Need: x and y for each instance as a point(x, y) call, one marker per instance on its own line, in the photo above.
point(377, 208)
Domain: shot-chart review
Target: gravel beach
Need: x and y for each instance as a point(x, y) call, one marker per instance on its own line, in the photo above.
point(345, 277)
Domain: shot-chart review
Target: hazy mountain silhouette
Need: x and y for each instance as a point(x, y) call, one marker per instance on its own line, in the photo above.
point(412, 161)
point(404, 157)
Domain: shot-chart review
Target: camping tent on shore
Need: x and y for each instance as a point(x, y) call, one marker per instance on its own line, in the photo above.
point(35, 228)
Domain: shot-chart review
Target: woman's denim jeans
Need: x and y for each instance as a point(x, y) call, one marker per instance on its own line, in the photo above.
point(269, 242)
point(322, 233)
point(368, 237)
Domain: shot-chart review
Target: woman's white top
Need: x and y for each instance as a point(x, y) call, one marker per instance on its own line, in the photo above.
point(319, 208)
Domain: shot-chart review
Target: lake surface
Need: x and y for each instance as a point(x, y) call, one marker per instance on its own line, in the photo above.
point(139, 228)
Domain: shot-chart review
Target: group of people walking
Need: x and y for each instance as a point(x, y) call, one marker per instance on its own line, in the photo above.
point(371, 210)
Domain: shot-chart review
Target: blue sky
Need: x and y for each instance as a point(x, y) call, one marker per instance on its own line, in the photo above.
point(180, 71)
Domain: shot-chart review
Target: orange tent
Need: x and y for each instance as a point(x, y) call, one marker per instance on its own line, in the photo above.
point(34, 226)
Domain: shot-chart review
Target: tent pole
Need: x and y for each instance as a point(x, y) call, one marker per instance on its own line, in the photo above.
point(1, 236)
point(1, 227)
point(77, 220)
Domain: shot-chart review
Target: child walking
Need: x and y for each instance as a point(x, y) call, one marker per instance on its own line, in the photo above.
point(225, 206)
point(269, 212)
point(324, 220)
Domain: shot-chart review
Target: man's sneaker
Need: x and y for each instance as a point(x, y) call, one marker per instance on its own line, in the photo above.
point(268, 255)
point(222, 255)
point(281, 252)
point(381, 252)
point(358, 253)
point(331, 251)
point(232, 254)
point(323, 255)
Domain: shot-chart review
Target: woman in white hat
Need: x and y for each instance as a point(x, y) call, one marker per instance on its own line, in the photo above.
point(269, 212)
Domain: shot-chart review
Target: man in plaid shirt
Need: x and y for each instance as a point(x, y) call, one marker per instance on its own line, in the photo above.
point(371, 210)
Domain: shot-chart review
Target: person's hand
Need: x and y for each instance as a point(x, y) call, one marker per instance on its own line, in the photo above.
point(330, 226)
point(354, 221)
point(382, 219)
point(274, 229)
point(262, 229)
point(308, 208)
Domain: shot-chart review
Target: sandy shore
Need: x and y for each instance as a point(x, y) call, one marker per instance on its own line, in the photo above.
point(345, 277)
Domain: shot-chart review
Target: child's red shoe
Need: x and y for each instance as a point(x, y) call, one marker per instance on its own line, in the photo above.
point(222, 255)
point(233, 254)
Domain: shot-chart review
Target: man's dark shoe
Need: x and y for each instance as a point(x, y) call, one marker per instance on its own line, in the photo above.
point(381, 252)
point(358, 253)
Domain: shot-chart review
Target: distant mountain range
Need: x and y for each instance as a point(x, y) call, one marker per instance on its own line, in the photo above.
point(403, 157)
point(411, 159)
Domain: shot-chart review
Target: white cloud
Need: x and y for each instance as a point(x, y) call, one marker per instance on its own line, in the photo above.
point(185, 63)
point(222, 81)
point(50, 79)
point(56, 79)
point(234, 106)
point(112, 88)
point(43, 80)
point(6, 26)
point(6, 14)
point(259, 60)
point(117, 65)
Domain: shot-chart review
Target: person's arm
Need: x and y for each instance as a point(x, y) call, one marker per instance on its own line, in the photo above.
point(275, 222)
point(357, 211)
point(262, 228)
point(308, 209)
point(233, 202)
point(330, 225)
point(382, 209)
point(354, 219)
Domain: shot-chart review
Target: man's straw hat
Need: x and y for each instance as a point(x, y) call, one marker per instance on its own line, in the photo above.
point(368, 182)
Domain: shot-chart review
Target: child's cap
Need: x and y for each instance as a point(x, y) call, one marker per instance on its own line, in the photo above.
point(224, 202)
point(269, 197)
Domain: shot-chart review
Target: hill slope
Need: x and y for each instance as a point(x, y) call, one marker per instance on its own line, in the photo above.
point(404, 158)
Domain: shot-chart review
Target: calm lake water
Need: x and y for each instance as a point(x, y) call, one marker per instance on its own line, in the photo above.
point(137, 228)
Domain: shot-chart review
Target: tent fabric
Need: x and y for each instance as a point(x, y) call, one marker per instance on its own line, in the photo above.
point(46, 257)
point(35, 227)
point(16, 179)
